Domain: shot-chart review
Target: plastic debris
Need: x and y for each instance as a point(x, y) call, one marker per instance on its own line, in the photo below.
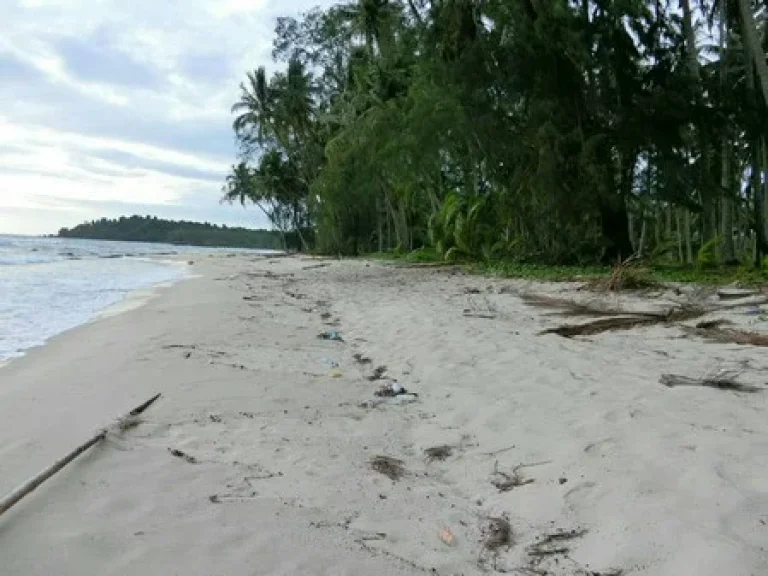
point(447, 536)
point(330, 362)
point(335, 373)
point(391, 393)
point(393, 388)
point(331, 335)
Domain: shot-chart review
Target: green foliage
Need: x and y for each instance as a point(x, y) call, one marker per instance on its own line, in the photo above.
point(642, 278)
point(533, 131)
point(512, 269)
point(152, 229)
point(706, 258)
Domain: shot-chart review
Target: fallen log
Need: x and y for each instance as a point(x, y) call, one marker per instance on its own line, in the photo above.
point(735, 293)
point(33, 483)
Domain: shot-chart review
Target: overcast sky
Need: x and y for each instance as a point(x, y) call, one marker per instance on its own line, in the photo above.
point(116, 107)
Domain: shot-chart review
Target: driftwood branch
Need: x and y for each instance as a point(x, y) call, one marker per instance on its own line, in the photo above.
point(313, 266)
point(721, 383)
point(30, 485)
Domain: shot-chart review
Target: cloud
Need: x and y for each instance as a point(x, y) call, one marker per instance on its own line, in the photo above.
point(208, 67)
point(110, 107)
point(14, 70)
point(138, 163)
point(96, 59)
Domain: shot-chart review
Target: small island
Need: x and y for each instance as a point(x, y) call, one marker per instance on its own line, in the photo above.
point(153, 229)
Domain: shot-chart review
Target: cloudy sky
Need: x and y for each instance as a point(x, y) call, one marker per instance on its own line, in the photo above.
point(113, 107)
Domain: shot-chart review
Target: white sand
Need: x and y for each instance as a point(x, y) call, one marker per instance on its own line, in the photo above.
point(662, 481)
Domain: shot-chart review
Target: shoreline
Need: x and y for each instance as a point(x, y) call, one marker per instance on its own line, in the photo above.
point(258, 457)
point(130, 300)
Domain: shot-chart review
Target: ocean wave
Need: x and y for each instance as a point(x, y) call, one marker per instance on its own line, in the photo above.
point(41, 301)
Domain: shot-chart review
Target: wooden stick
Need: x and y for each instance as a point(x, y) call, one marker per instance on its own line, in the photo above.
point(11, 499)
point(141, 407)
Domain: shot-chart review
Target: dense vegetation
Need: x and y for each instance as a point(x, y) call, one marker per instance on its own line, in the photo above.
point(152, 229)
point(557, 131)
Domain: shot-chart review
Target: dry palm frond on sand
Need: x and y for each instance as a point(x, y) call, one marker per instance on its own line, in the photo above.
point(714, 331)
point(497, 533)
point(504, 482)
point(610, 319)
point(442, 452)
point(392, 468)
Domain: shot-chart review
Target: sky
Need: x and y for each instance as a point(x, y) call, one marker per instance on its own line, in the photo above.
point(120, 107)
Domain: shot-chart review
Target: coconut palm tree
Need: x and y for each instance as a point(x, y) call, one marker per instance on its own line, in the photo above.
point(254, 109)
point(754, 45)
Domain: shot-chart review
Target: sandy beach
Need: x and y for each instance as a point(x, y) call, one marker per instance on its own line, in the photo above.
point(555, 456)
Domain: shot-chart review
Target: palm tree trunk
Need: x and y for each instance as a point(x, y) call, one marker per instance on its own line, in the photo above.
point(728, 251)
point(657, 226)
point(758, 195)
point(765, 184)
point(688, 246)
point(726, 207)
point(379, 227)
point(753, 45)
point(679, 238)
point(691, 52)
point(757, 192)
point(726, 231)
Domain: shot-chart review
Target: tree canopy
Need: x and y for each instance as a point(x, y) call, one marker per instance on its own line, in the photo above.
point(559, 131)
point(153, 229)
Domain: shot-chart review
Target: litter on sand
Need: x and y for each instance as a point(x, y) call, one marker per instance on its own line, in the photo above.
point(393, 388)
point(334, 335)
point(398, 400)
point(447, 536)
point(391, 393)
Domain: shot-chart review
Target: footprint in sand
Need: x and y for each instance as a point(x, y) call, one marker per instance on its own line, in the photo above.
point(580, 495)
point(600, 447)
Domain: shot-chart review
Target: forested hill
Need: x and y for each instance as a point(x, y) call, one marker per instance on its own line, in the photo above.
point(152, 229)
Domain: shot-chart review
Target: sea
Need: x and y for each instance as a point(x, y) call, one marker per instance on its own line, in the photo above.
point(49, 285)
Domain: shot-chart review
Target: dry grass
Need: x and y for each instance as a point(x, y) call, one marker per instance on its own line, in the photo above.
point(392, 468)
point(627, 275)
